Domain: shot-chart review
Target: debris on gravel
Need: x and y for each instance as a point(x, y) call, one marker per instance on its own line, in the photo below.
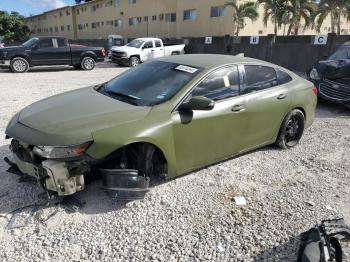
point(191, 218)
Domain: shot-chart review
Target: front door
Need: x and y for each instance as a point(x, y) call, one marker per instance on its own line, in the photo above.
point(158, 49)
point(204, 137)
point(147, 51)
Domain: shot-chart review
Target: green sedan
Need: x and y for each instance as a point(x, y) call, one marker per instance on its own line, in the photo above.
point(164, 118)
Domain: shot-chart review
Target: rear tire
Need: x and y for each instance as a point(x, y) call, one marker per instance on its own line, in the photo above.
point(19, 65)
point(134, 61)
point(88, 63)
point(291, 130)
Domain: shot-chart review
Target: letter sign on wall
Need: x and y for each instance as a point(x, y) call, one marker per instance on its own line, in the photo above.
point(320, 40)
point(254, 40)
point(208, 40)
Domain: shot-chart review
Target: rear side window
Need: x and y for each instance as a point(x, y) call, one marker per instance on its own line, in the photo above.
point(219, 85)
point(158, 43)
point(283, 77)
point(62, 42)
point(259, 78)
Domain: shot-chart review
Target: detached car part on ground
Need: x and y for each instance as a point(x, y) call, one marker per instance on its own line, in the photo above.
point(162, 119)
point(332, 76)
point(44, 51)
point(322, 243)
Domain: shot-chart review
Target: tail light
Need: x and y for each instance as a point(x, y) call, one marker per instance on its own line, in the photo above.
point(103, 51)
point(314, 89)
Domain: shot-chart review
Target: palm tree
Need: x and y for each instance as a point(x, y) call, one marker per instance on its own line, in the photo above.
point(335, 9)
point(241, 12)
point(300, 10)
point(276, 11)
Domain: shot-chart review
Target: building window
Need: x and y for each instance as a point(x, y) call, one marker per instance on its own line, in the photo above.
point(56, 28)
point(170, 17)
point(86, 25)
point(67, 12)
point(80, 27)
point(145, 18)
point(117, 23)
point(109, 3)
point(154, 18)
point(93, 8)
point(217, 11)
point(109, 22)
point(190, 14)
point(78, 11)
point(61, 14)
point(51, 29)
point(102, 23)
point(131, 2)
point(68, 27)
point(132, 20)
point(62, 28)
point(117, 3)
point(95, 25)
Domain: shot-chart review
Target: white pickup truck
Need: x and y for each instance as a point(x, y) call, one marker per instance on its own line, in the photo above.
point(142, 49)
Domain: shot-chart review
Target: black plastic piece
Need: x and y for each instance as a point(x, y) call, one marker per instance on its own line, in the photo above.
point(124, 184)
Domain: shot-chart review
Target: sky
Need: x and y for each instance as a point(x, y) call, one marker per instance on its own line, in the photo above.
point(32, 7)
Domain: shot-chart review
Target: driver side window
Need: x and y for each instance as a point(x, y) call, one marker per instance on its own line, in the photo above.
point(221, 84)
point(45, 43)
point(148, 44)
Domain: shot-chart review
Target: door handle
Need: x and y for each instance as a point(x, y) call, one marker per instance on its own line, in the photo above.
point(281, 96)
point(152, 50)
point(238, 108)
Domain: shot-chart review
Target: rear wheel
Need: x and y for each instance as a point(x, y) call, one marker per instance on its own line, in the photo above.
point(134, 61)
point(19, 65)
point(88, 63)
point(291, 129)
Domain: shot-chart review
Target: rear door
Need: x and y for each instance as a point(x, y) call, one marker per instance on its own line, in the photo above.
point(61, 52)
point(158, 49)
point(267, 101)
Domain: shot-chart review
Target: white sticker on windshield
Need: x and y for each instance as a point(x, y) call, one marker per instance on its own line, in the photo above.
point(187, 69)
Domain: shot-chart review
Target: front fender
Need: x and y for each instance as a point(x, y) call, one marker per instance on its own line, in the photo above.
point(158, 133)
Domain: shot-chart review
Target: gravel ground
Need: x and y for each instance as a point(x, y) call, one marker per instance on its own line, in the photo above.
point(191, 218)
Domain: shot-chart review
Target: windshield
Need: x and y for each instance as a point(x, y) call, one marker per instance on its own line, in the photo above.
point(137, 43)
point(150, 83)
point(343, 53)
point(30, 42)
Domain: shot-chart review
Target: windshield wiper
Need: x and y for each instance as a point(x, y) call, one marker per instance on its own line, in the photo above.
point(124, 97)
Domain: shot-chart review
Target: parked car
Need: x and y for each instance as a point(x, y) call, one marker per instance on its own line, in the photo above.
point(163, 118)
point(332, 76)
point(2, 44)
point(142, 49)
point(42, 51)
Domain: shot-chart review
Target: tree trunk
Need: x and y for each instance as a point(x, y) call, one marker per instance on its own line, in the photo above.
point(275, 28)
point(290, 29)
point(338, 24)
point(332, 22)
point(284, 29)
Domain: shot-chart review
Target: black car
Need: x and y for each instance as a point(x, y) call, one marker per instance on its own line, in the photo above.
point(42, 51)
point(332, 76)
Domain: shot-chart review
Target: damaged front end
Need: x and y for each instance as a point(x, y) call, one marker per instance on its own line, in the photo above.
point(66, 169)
point(62, 175)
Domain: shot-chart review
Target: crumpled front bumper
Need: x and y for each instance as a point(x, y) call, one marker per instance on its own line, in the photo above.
point(65, 178)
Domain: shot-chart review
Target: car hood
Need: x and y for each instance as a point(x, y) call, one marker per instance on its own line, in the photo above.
point(334, 69)
point(10, 48)
point(71, 117)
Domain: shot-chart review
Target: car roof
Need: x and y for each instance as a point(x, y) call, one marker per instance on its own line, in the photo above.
point(147, 38)
point(210, 60)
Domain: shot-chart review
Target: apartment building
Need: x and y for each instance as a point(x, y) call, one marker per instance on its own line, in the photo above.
point(161, 18)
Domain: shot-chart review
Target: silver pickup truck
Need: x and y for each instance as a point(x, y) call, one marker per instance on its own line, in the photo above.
point(142, 49)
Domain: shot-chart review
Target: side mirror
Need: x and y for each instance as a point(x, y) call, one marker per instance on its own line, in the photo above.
point(198, 103)
point(35, 47)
